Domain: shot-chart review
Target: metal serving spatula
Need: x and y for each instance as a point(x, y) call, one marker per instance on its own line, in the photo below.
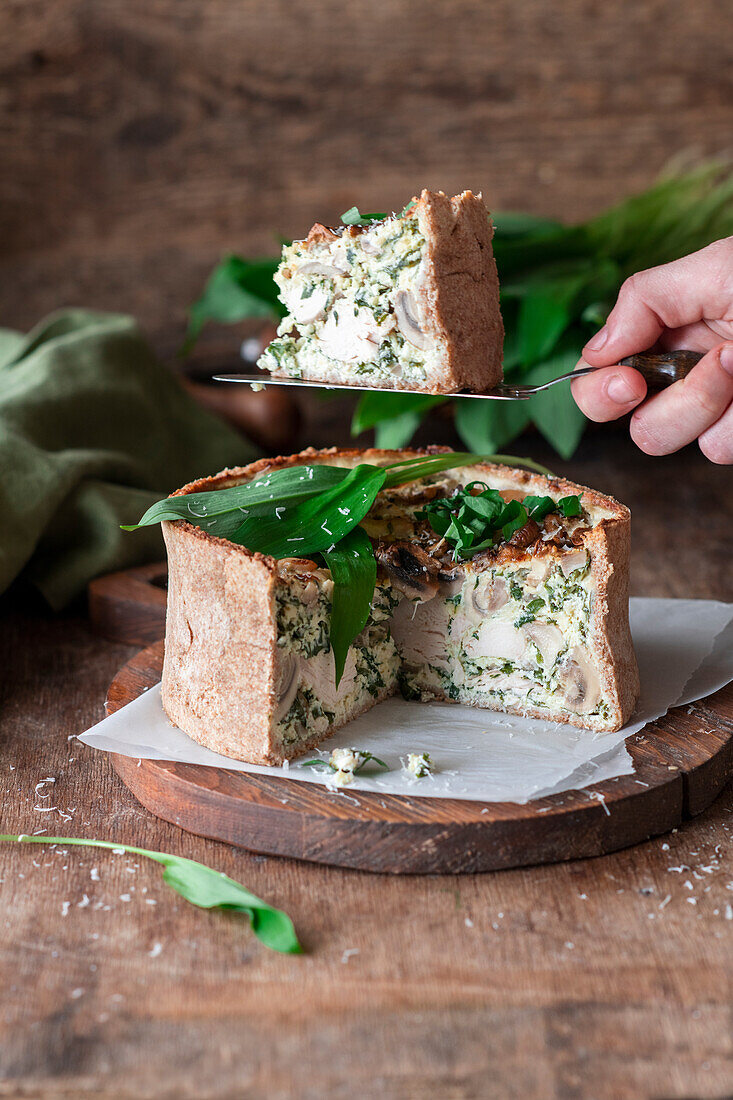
point(659, 371)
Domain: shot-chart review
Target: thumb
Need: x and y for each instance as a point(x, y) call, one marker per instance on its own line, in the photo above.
point(609, 393)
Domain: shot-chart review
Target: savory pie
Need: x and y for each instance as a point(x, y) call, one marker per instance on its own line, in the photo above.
point(408, 302)
point(536, 624)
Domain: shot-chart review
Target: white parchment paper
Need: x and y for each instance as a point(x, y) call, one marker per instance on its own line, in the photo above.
point(685, 651)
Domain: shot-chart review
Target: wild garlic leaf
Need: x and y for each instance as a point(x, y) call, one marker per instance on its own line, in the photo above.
point(200, 885)
point(420, 466)
point(544, 316)
point(211, 889)
point(535, 258)
point(269, 488)
point(308, 510)
point(473, 521)
point(539, 507)
point(554, 411)
point(353, 217)
point(514, 223)
point(511, 519)
point(314, 525)
point(354, 573)
point(486, 426)
point(262, 509)
point(570, 506)
point(412, 469)
point(397, 431)
point(237, 289)
point(379, 407)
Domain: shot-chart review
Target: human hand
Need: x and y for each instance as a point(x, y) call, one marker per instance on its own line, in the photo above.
point(685, 304)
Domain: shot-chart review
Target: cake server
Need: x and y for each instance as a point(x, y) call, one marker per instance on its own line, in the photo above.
point(659, 371)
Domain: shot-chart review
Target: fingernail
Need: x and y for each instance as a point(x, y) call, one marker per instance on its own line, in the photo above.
point(598, 340)
point(621, 391)
point(726, 358)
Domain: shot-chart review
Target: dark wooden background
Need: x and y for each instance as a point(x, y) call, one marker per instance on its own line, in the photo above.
point(141, 139)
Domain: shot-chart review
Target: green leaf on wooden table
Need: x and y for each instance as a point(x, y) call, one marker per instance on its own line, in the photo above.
point(237, 289)
point(485, 426)
point(554, 411)
point(353, 217)
point(354, 572)
point(202, 886)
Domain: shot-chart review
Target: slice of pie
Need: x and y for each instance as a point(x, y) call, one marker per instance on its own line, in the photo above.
point(409, 302)
point(535, 624)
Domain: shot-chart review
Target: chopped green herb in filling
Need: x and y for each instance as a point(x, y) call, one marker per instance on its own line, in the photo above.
point(476, 517)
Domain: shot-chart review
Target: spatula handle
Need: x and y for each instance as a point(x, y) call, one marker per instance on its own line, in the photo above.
point(660, 370)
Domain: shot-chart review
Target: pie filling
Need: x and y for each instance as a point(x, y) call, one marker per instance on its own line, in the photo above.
point(354, 303)
point(509, 629)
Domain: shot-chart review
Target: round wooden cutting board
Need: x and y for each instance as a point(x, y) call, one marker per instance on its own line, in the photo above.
point(682, 763)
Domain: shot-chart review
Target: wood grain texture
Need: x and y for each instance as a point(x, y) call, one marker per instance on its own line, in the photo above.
point(591, 978)
point(681, 762)
point(141, 140)
point(129, 606)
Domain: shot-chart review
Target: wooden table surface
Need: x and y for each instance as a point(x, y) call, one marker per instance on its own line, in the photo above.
point(607, 978)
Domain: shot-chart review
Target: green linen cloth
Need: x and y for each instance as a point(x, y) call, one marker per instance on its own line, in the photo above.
point(93, 430)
